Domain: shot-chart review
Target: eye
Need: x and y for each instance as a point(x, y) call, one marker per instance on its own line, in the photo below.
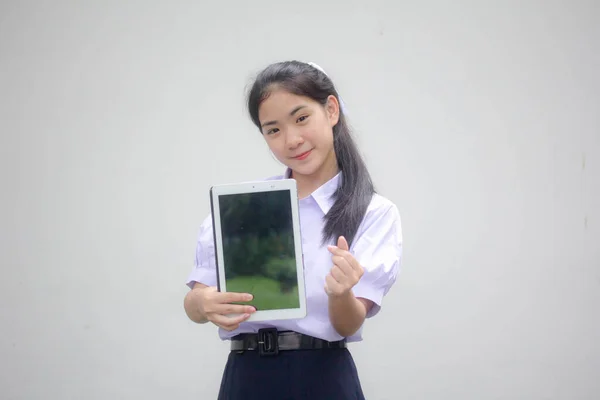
point(272, 131)
point(302, 118)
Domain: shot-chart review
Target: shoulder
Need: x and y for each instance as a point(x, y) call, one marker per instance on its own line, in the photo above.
point(274, 178)
point(381, 221)
point(381, 207)
point(380, 203)
point(268, 178)
point(205, 233)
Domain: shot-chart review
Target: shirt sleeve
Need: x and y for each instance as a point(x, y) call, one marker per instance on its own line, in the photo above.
point(378, 249)
point(205, 267)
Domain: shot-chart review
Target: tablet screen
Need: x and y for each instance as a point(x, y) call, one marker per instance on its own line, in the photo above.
point(258, 248)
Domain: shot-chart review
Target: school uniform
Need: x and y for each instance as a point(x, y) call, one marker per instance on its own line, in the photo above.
point(312, 360)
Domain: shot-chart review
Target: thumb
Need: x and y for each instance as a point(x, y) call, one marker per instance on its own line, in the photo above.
point(342, 243)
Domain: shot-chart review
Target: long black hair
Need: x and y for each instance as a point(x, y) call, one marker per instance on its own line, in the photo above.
point(356, 189)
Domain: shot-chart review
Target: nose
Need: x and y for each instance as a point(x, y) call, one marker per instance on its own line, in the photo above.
point(293, 139)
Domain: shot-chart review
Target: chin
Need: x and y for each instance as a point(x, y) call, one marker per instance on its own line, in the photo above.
point(306, 169)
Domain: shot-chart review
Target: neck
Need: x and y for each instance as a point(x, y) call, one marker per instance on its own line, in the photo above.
point(309, 183)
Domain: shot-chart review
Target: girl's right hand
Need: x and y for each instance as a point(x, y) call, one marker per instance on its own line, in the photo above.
point(216, 306)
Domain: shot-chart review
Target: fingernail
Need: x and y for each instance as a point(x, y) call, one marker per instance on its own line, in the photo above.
point(249, 297)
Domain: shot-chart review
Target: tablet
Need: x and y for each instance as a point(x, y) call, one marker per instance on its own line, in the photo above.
point(256, 228)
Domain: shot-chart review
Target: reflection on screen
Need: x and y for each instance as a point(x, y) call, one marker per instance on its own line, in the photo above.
point(258, 248)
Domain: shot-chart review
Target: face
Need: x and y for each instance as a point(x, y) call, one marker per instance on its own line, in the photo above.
point(299, 131)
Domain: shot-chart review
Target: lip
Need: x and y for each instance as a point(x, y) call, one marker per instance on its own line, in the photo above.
point(303, 155)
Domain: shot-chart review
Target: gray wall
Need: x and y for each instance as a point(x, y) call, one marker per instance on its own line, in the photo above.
point(481, 122)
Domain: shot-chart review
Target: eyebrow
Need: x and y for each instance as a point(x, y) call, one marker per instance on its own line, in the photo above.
point(294, 111)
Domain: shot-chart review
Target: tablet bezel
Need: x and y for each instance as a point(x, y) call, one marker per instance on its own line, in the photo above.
point(253, 187)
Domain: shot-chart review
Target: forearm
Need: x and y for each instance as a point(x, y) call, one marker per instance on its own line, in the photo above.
point(190, 304)
point(346, 313)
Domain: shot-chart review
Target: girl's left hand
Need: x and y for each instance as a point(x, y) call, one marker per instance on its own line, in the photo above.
point(346, 271)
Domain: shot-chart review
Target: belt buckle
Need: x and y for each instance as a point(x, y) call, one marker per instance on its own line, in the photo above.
point(268, 344)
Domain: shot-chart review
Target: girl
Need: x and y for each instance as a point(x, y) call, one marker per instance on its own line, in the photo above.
point(352, 244)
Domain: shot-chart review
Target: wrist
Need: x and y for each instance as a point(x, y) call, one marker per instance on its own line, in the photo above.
point(342, 297)
point(346, 313)
point(196, 299)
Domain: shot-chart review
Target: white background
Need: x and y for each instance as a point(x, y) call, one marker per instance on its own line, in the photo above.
point(480, 120)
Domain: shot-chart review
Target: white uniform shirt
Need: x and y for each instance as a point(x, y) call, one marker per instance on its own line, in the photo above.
point(377, 246)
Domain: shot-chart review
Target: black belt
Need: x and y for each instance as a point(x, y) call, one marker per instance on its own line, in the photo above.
point(269, 341)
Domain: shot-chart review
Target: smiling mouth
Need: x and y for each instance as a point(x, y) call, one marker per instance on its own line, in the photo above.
point(303, 155)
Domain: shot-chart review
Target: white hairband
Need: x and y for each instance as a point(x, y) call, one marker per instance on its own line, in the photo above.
point(342, 105)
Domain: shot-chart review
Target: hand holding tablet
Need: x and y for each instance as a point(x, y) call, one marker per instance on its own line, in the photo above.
point(256, 229)
point(217, 306)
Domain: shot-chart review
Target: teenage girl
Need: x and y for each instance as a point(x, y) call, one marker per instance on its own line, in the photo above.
point(352, 245)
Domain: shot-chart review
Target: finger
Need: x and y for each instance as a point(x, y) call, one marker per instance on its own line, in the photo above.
point(337, 274)
point(226, 308)
point(229, 327)
point(343, 264)
point(232, 297)
point(332, 286)
point(233, 326)
point(349, 263)
point(226, 322)
point(342, 243)
point(352, 262)
point(336, 251)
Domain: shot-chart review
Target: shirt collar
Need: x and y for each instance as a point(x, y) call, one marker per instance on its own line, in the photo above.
point(324, 195)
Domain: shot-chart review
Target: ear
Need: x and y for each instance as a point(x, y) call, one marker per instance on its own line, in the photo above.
point(332, 108)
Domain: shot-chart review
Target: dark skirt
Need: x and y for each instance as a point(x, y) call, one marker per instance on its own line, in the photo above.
point(327, 374)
